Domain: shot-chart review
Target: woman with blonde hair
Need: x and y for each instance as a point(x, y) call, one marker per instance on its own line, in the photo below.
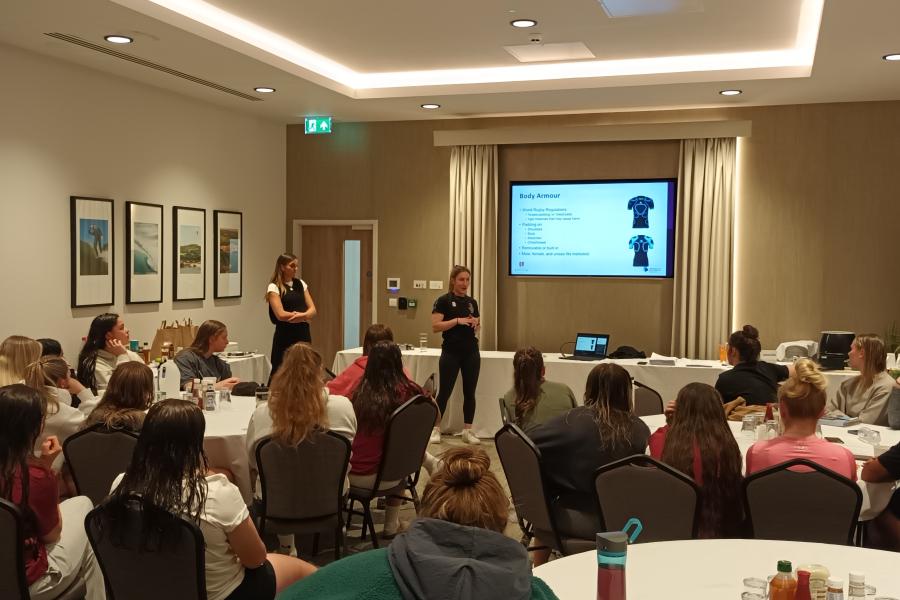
point(16, 352)
point(459, 533)
point(801, 402)
point(126, 400)
point(533, 400)
point(291, 307)
point(298, 405)
point(866, 395)
point(199, 360)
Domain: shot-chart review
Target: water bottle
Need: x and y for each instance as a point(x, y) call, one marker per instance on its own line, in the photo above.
point(209, 398)
point(612, 548)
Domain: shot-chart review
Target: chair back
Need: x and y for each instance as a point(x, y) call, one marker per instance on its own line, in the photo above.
point(504, 414)
point(13, 584)
point(810, 504)
point(664, 499)
point(647, 401)
point(146, 553)
point(96, 456)
point(406, 438)
point(303, 481)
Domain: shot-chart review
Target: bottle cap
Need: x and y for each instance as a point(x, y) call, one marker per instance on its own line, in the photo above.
point(857, 577)
point(784, 566)
point(612, 541)
point(803, 577)
point(836, 582)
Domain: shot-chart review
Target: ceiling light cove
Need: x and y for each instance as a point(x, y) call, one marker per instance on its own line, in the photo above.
point(430, 106)
point(731, 92)
point(118, 39)
point(264, 90)
point(523, 23)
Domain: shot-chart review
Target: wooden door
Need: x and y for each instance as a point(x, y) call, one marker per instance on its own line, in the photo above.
point(322, 268)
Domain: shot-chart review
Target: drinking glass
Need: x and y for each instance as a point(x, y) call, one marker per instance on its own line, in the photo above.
point(748, 427)
point(423, 341)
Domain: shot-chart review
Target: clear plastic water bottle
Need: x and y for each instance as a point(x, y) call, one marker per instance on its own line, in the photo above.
point(209, 398)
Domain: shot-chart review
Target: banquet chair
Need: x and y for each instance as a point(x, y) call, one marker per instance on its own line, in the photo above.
point(664, 499)
point(504, 414)
point(146, 553)
point(520, 459)
point(96, 456)
point(13, 585)
point(813, 504)
point(405, 441)
point(302, 486)
point(647, 401)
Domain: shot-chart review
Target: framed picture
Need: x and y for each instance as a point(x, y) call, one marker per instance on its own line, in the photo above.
point(229, 254)
point(93, 267)
point(143, 253)
point(188, 253)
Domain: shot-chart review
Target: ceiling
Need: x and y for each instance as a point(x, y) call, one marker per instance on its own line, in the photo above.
point(359, 60)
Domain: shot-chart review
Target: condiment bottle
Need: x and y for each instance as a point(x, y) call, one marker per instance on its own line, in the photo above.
point(835, 589)
point(857, 587)
point(612, 547)
point(784, 585)
point(802, 586)
point(818, 578)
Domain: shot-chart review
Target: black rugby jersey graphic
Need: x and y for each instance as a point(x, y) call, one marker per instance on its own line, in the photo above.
point(641, 206)
point(640, 244)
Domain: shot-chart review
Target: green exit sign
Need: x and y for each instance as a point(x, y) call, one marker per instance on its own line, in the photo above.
point(318, 125)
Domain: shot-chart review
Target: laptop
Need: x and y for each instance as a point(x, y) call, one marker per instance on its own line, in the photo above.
point(590, 346)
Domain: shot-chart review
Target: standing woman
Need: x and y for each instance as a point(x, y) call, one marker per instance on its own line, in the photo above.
point(290, 308)
point(456, 316)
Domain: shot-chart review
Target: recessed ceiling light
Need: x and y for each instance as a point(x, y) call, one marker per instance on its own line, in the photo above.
point(430, 106)
point(731, 92)
point(523, 23)
point(118, 39)
point(264, 90)
point(891, 57)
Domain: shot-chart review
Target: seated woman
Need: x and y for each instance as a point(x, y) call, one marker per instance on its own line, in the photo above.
point(347, 380)
point(573, 445)
point(17, 352)
point(298, 405)
point(455, 549)
point(199, 360)
point(534, 400)
point(105, 348)
point(169, 470)
point(126, 400)
point(699, 442)
point(866, 395)
point(751, 379)
point(801, 402)
point(383, 389)
point(885, 532)
point(54, 555)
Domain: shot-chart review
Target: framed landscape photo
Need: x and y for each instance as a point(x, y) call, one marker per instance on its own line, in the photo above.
point(93, 267)
point(188, 253)
point(229, 254)
point(143, 253)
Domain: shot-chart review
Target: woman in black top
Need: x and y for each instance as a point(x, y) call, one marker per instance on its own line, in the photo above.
point(751, 379)
point(290, 307)
point(456, 316)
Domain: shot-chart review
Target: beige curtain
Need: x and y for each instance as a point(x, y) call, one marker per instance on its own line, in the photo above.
point(702, 304)
point(473, 228)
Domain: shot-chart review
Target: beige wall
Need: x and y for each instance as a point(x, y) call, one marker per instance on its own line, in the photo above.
point(817, 219)
point(68, 130)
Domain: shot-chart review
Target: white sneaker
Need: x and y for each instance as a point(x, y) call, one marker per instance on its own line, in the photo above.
point(435, 436)
point(470, 438)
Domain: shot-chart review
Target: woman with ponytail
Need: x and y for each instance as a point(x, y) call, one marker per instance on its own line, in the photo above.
point(751, 379)
point(866, 395)
point(801, 401)
point(534, 400)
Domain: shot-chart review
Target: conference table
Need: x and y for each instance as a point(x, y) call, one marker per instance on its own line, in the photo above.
point(715, 569)
point(249, 367)
point(496, 379)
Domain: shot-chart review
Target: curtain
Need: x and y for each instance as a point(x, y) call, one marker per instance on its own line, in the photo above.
point(473, 228)
point(702, 303)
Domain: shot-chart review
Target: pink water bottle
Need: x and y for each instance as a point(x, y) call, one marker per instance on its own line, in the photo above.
point(612, 548)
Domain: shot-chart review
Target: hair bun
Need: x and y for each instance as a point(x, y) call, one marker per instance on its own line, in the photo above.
point(750, 331)
point(465, 466)
point(806, 371)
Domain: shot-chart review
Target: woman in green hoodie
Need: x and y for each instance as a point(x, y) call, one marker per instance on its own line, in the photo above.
point(455, 549)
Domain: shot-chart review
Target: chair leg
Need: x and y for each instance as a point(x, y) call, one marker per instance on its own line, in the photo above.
point(315, 548)
point(371, 526)
point(338, 541)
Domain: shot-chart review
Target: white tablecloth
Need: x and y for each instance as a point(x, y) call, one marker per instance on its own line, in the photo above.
point(255, 367)
point(226, 430)
point(715, 569)
point(497, 376)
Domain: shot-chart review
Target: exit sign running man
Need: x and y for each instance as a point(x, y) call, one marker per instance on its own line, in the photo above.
point(318, 125)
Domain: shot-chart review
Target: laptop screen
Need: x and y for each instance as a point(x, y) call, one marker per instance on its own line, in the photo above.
point(592, 344)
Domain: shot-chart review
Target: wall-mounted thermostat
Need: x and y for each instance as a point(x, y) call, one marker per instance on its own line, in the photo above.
point(393, 284)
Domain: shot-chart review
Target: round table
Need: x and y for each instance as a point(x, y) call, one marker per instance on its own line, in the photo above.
point(715, 569)
point(224, 440)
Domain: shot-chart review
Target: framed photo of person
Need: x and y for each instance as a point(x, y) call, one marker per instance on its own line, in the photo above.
point(93, 266)
point(229, 254)
point(143, 253)
point(188, 253)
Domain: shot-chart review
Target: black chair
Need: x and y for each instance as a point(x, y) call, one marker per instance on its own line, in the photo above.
point(146, 553)
point(664, 499)
point(13, 585)
point(813, 504)
point(405, 440)
point(96, 456)
point(647, 401)
point(302, 486)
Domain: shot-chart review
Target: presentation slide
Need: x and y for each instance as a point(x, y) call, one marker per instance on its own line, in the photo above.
point(593, 228)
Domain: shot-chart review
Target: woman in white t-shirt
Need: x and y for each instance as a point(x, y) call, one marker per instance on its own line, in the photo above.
point(290, 308)
point(169, 470)
point(105, 348)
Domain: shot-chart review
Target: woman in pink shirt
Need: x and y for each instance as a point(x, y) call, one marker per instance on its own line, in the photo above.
point(801, 401)
point(348, 379)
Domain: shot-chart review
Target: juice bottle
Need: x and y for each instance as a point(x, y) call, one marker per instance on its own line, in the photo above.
point(611, 551)
point(783, 586)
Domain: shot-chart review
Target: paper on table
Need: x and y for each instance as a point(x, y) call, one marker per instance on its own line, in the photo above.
point(659, 359)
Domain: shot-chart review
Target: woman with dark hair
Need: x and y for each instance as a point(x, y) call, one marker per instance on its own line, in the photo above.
point(54, 555)
point(347, 380)
point(455, 315)
point(699, 442)
point(199, 360)
point(751, 379)
point(534, 400)
point(865, 396)
point(169, 471)
point(126, 400)
point(105, 348)
point(291, 307)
